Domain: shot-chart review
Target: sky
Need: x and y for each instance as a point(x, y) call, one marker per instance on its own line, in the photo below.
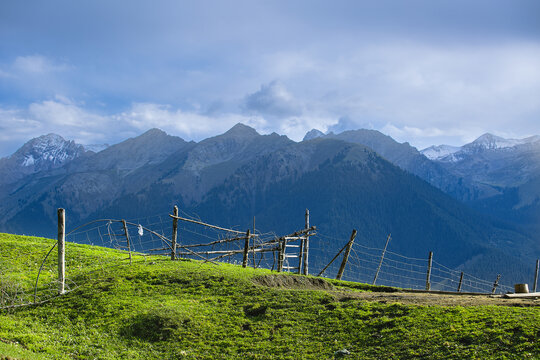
point(422, 71)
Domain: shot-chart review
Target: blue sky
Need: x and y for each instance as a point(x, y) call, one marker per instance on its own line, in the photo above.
point(427, 72)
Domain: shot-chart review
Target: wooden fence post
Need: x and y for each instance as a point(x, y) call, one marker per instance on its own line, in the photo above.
point(382, 258)
point(306, 246)
point(301, 255)
point(460, 282)
point(536, 275)
point(127, 239)
point(253, 252)
point(61, 250)
point(280, 245)
point(333, 259)
point(346, 255)
point(174, 233)
point(254, 262)
point(281, 256)
point(495, 284)
point(246, 248)
point(428, 278)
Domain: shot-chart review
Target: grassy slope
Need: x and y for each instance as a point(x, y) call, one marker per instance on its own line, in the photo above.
point(157, 309)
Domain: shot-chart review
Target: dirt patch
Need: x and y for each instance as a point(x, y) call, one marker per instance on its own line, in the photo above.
point(293, 282)
point(390, 295)
point(428, 299)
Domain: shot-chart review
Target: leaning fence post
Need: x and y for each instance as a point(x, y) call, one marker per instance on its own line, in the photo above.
point(495, 284)
point(382, 258)
point(174, 233)
point(127, 238)
point(346, 255)
point(61, 250)
point(246, 248)
point(333, 259)
point(428, 278)
point(306, 246)
point(536, 275)
point(460, 282)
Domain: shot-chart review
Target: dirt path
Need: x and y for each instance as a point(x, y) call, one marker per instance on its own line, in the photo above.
point(389, 295)
point(435, 299)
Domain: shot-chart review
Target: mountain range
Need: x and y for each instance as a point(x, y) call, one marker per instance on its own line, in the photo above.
point(498, 177)
point(451, 204)
point(508, 170)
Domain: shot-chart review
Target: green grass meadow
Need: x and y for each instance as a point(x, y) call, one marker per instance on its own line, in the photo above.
point(162, 309)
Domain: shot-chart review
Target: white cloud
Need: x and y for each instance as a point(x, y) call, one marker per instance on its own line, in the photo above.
point(488, 86)
point(74, 122)
point(423, 94)
point(296, 127)
point(14, 125)
point(37, 77)
point(480, 87)
point(284, 113)
point(37, 64)
point(425, 137)
point(52, 116)
point(66, 115)
point(274, 100)
point(189, 125)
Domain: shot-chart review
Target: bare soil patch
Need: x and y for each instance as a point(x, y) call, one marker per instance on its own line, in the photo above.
point(293, 282)
point(284, 281)
point(428, 299)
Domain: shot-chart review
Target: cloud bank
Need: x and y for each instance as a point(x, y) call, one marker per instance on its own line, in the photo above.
point(425, 72)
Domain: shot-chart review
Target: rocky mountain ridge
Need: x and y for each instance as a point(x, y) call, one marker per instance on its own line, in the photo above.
point(486, 142)
point(43, 153)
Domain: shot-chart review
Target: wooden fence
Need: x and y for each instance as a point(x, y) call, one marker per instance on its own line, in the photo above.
point(290, 253)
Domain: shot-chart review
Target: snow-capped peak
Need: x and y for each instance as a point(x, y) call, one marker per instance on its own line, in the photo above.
point(490, 142)
point(446, 153)
point(47, 151)
point(437, 152)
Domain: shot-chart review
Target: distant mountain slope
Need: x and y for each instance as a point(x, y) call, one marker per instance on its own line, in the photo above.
point(519, 206)
point(511, 168)
point(84, 186)
point(410, 159)
point(492, 174)
point(165, 167)
point(152, 147)
point(348, 186)
point(495, 161)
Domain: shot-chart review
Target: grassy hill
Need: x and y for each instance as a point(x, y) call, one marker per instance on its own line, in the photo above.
point(159, 309)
